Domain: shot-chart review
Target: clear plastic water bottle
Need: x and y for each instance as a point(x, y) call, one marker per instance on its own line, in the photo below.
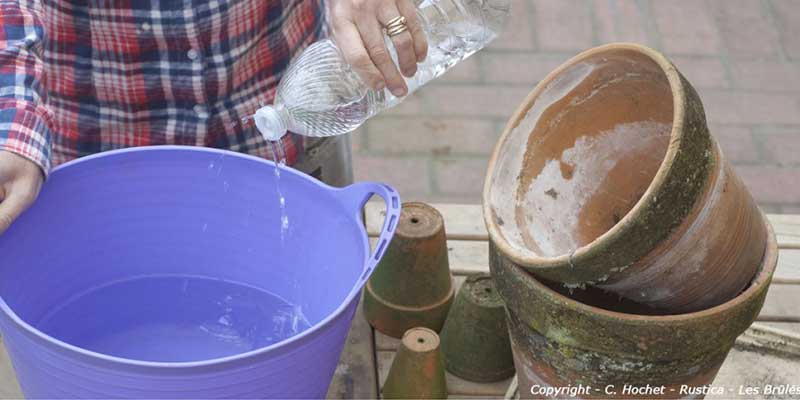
point(320, 95)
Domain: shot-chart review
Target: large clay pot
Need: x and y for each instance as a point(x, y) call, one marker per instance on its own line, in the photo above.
point(595, 339)
point(607, 175)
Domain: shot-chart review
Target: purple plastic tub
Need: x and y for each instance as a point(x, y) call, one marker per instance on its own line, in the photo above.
point(162, 272)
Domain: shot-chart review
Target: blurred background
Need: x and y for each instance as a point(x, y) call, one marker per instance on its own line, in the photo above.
point(743, 57)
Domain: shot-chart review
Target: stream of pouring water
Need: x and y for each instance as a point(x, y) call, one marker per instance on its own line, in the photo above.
point(279, 157)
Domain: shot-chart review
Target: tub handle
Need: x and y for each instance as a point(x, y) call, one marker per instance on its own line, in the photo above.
point(359, 194)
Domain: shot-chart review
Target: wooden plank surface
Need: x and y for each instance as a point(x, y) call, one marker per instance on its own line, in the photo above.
point(473, 256)
point(455, 385)
point(9, 389)
point(465, 222)
point(749, 363)
point(356, 372)
point(783, 300)
point(467, 238)
point(787, 228)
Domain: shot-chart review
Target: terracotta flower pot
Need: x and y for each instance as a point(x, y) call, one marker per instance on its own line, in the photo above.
point(417, 371)
point(412, 285)
point(607, 175)
point(596, 339)
point(475, 342)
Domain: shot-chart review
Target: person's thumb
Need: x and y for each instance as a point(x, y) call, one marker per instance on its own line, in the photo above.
point(11, 207)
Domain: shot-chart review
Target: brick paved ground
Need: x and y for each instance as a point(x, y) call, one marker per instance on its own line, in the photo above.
point(743, 56)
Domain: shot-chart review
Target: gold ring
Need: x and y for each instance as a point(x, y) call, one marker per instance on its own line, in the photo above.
point(396, 26)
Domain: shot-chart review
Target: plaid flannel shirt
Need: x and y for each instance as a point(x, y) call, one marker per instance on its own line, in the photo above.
point(80, 77)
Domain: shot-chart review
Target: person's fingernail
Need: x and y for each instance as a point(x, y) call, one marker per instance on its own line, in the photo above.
point(399, 92)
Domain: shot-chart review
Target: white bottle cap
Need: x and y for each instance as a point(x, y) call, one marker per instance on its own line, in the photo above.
point(270, 123)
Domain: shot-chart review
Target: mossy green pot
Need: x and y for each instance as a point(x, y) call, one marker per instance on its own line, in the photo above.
point(562, 336)
point(475, 341)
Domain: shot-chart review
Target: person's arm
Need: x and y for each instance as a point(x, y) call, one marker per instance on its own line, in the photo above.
point(25, 139)
point(358, 30)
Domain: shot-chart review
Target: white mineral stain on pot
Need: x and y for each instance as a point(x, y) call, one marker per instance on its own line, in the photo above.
point(511, 162)
point(581, 157)
point(556, 198)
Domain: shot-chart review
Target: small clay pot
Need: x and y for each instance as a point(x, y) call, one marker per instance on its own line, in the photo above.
point(412, 285)
point(607, 175)
point(417, 371)
point(596, 339)
point(475, 340)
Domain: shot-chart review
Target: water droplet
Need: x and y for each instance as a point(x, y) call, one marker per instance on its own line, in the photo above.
point(225, 320)
point(279, 157)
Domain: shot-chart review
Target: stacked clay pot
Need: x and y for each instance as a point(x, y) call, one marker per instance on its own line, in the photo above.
point(616, 222)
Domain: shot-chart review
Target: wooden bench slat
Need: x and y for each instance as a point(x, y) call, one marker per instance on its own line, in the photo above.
point(471, 255)
point(787, 229)
point(465, 222)
point(782, 303)
point(468, 257)
point(455, 385)
point(355, 376)
point(761, 355)
point(9, 388)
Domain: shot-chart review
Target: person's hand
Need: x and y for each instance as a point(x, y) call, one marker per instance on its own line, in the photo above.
point(358, 28)
point(20, 181)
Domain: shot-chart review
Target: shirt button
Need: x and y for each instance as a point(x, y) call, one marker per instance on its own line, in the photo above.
point(200, 111)
point(193, 54)
point(144, 27)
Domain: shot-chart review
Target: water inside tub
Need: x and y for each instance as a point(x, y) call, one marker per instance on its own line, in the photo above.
point(174, 319)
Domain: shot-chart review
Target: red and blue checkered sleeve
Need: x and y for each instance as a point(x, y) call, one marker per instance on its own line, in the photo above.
point(25, 121)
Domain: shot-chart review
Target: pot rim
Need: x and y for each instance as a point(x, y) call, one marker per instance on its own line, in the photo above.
point(535, 262)
point(759, 282)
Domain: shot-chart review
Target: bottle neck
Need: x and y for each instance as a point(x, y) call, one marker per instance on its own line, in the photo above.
point(272, 121)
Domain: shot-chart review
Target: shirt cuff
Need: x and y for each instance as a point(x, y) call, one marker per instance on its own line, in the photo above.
point(25, 131)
